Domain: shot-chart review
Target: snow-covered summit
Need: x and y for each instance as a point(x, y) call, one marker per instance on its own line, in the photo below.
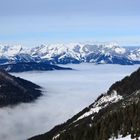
point(10, 50)
point(82, 52)
point(98, 53)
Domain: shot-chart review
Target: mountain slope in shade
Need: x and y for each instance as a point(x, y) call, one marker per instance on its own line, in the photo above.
point(31, 66)
point(15, 90)
point(114, 114)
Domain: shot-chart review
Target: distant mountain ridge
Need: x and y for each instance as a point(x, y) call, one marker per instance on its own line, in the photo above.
point(113, 115)
point(97, 53)
point(31, 66)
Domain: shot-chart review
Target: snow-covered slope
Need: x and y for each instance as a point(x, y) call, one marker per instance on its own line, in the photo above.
point(123, 138)
point(102, 103)
point(98, 53)
point(10, 51)
point(15, 54)
point(134, 54)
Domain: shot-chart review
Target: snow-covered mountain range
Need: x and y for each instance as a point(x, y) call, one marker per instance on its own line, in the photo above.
point(98, 53)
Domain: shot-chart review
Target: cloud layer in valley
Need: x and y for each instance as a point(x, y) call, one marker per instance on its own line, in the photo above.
point(65, 93)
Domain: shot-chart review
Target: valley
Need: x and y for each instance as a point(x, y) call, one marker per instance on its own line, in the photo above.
point(65, 93)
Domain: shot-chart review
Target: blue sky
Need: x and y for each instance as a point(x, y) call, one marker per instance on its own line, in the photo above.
point(32, 22)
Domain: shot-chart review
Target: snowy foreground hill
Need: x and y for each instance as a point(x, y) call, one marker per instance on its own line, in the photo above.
point(98, 53)
point(114, 115)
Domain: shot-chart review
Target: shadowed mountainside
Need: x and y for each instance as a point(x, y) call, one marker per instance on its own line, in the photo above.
point(31, 66)
point(112, 115)
point(15, 90)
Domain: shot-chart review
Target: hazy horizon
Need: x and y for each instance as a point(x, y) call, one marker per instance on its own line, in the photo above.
point(67, 43)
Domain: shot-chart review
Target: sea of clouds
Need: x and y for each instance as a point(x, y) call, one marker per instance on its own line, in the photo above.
point(65, 93)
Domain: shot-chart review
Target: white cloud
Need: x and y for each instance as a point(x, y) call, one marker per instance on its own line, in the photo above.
point(65, 93)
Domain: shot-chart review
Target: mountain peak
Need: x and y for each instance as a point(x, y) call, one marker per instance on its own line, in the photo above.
point(93, 52)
